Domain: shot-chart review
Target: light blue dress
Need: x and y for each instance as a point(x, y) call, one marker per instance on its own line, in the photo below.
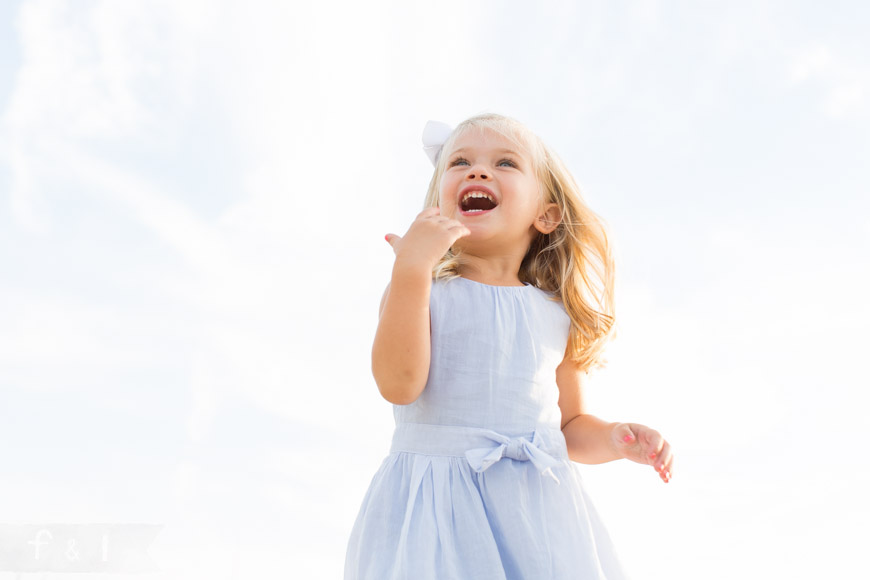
point(478, 484)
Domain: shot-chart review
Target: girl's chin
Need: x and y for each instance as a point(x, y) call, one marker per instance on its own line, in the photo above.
point(470, 241)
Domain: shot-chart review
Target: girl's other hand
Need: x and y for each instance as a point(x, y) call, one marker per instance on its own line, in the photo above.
point(641, 444)
point(427, 240)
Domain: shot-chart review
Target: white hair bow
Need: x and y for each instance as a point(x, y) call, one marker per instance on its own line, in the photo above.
point(435, 134)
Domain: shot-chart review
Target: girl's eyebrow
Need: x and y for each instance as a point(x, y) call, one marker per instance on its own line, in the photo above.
point(511, 151)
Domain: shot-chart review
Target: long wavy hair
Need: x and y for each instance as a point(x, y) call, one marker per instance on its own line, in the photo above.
point(574, 262)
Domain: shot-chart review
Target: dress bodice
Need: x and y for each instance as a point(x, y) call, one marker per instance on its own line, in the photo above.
point(494, 353)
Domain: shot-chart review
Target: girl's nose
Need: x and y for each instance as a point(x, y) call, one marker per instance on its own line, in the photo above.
point(477, 171)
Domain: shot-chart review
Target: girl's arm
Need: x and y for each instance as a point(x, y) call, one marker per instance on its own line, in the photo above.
point(592, 440)
point(588, 438)
point(401, 351)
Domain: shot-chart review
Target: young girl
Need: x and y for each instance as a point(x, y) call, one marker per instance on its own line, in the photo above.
point(500, 303)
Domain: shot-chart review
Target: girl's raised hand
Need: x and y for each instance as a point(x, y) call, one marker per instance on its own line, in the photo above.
point(427, 240)
point(644, 445)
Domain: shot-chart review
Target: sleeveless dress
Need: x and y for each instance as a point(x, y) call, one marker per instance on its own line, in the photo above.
point(478, 484)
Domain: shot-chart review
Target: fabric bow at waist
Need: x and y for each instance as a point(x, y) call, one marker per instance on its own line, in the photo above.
point(518, 448)
point(483, 447)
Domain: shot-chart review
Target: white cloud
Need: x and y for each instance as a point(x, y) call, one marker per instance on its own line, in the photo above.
point(847, 86)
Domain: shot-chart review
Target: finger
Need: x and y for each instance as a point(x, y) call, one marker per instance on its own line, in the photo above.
point(666, 474)
point(668, 470)
point(392, 239)
point(626, 441)
point(624, 435)
point(653, 445)
point(663, 457)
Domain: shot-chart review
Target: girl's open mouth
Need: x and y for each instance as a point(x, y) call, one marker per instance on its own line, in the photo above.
point(477, 203)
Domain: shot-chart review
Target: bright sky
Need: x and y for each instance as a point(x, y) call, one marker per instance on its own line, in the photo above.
point(193, 202)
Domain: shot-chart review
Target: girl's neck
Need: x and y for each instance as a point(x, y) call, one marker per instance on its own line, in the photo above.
point(491, 272)
point(495, 260)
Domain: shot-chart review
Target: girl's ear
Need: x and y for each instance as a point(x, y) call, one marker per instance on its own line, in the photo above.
point(550, 219)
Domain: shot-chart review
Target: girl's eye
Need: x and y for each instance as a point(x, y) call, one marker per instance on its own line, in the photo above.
point(459, 160)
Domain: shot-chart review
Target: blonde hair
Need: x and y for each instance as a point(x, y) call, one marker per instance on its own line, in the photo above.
point(574, 261)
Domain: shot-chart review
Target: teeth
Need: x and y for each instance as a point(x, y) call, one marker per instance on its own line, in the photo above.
point(477, 194)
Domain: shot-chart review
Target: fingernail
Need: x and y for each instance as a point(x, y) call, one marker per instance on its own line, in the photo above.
point(652, 455)
point(387, 237)
point(627, 438)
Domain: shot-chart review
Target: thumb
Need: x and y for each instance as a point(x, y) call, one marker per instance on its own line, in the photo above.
point(624, 435)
